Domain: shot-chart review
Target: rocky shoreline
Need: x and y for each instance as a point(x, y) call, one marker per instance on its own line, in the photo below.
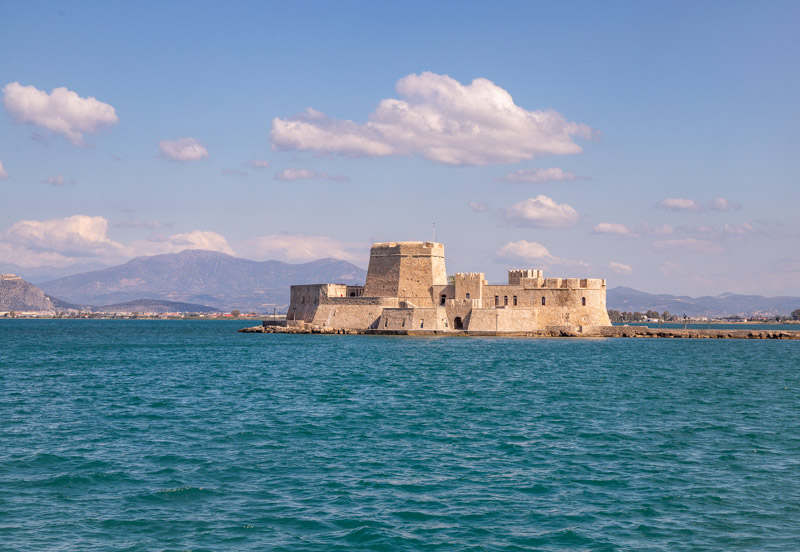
point(606, 331)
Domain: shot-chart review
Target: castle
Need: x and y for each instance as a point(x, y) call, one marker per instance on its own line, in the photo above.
point(407, 290)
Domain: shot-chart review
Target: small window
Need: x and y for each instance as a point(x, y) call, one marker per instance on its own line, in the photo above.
point(404, 323)
point(583, 301)
point(515, 300)
point(496, 300)
point(542, 301)
point(505, 300)
point(421, 323)
point(467, 295)
point(445, 323)
point(443, 299)
point(385, 323)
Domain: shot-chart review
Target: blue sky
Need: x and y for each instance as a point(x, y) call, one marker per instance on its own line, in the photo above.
point(651, 144)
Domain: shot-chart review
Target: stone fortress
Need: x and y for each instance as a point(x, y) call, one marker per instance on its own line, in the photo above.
point(407, 291)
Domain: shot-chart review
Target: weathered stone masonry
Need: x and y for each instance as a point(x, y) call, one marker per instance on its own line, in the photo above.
point(407, 290)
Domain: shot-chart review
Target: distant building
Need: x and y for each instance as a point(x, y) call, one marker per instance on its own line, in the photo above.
point(407, 290)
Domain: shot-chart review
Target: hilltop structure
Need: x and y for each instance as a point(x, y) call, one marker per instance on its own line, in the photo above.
point(407, 290)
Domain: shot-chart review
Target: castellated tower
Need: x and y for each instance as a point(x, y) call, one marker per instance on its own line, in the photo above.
point(406, 270)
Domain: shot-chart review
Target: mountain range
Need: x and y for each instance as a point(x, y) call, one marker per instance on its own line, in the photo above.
point(631, 300)
point(223, 282)
point(201, 277)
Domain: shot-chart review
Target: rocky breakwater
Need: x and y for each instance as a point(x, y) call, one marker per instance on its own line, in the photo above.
point(691, 333)
point(305, 329)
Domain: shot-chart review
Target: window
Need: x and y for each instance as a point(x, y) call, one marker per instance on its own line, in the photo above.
point(542, 301)
point(421, 323)
point(515, 300)
point(496, 300)
point(385, 322)
point(583, 301)
point(404, 323)
point(467, 295)
point(442, 299)
point(505, 300)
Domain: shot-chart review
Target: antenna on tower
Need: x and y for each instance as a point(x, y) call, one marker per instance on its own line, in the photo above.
point(434, 232)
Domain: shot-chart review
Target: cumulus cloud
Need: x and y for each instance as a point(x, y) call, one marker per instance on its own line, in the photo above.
point(620, 268)
point(612, 228)
point(62, 111)
point(258, 164)
point(301, 248)
point(58, 242)
point(478, 207)
point(3, 173)
point(58, 180)
point(308, 174)
point(691, 244)
point(183, 149)
point(535, 176)
point(62, 242)
point(440, 119)
point(542, 212)
point(685, 204)
point(525, 251)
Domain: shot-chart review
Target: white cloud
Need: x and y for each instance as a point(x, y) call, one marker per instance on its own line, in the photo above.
point(742, 229)
point(440, 119)
point(58, 242)
point(62, 111)
point(685, 204)
point(478, 207)
point(620, 268)
point(58, 180)
point(612, 228)
point(542, 212)
point(183, 149)
point(691, 244)
point(259, 164)
point(722, 204)
point(534, 176)
point(526, 251)
point(679, 204)
point(3, 173)
point(301, 248)
point(308, 174)
point(81, 238)
point(197, 239)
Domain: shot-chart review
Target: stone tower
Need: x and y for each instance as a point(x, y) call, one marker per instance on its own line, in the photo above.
point(406, 270)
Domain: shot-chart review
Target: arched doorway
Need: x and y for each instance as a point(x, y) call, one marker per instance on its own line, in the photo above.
point(458, 324)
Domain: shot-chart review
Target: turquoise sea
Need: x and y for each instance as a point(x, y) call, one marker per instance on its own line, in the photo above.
point(185, 435)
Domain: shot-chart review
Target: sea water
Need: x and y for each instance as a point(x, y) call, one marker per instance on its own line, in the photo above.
point(186, 435)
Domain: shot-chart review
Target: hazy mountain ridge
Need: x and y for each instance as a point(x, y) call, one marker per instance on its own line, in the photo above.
point(627, 299)
point(201, 277)
point(153, 305)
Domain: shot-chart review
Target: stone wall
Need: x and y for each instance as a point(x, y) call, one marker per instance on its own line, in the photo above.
point(406, 270)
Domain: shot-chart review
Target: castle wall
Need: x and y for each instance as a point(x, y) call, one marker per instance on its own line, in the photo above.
point(407, 289)
point(406, 270)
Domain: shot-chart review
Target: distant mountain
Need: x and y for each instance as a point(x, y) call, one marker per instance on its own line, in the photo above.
point(153, 305)
point(18, 295)
point(203, 277)
point(627, 299)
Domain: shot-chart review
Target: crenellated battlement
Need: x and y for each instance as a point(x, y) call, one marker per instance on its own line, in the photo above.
point(515, 275)
point(407, 289)
point(563, 283)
